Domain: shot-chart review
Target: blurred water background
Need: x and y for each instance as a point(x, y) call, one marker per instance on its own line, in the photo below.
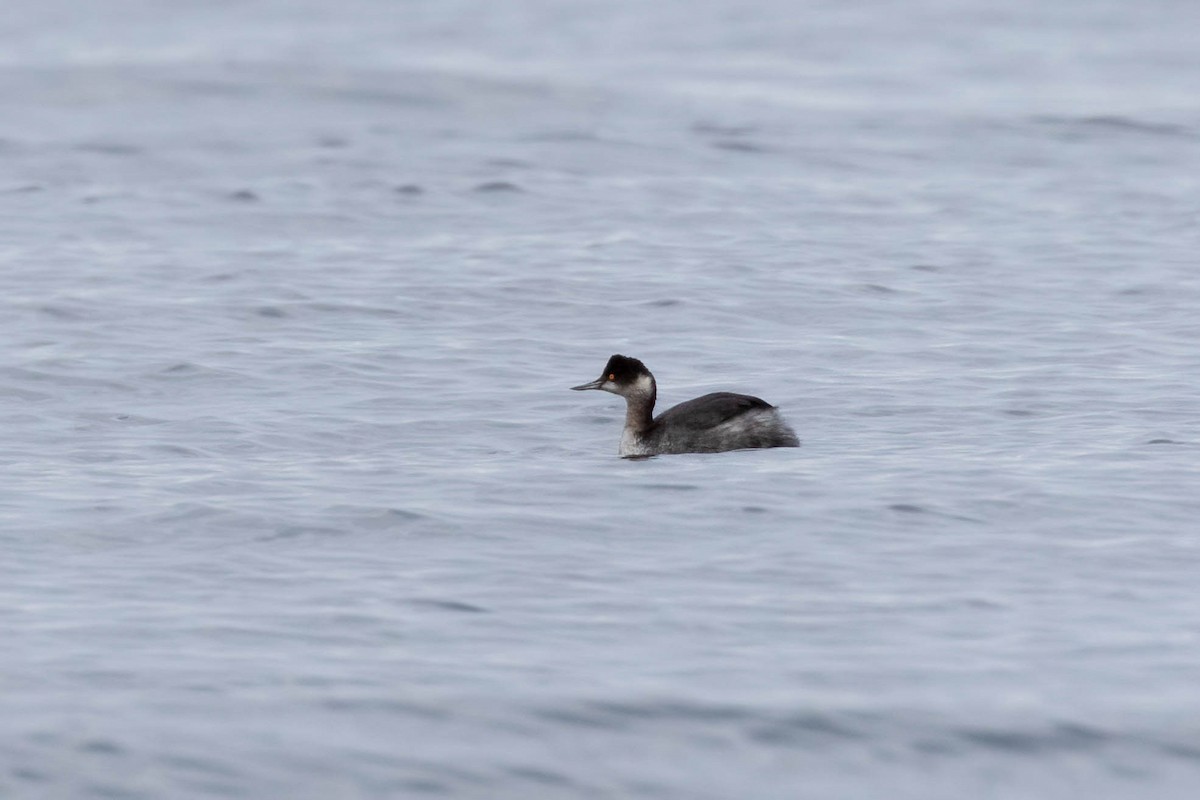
point(295, 502)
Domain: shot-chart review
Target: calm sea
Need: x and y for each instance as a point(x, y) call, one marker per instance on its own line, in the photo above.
point(295, 503)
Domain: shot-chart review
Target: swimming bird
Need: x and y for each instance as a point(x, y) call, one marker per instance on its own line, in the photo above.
point(709, 424)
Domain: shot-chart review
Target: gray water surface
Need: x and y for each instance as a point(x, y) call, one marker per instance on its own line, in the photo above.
point(296, 503)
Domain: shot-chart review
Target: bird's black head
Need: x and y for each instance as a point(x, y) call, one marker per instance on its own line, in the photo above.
point(622, 375)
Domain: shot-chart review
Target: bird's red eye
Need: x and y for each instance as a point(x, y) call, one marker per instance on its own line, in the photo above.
point(612, 376)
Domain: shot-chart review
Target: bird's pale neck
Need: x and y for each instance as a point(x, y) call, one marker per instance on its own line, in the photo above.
point(639, 403)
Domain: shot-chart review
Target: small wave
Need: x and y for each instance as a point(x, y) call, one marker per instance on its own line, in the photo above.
point(183, 512)
point(176, 450)
point(570, 136)
point(718, 129)
point(30, 775)
point(61, 312)
point(1115, 124)
point(448, 605)
point(498, 186)
point(739, 146)
point(508, 163)
point(540, 775)
point(914, 509)
point(302, 531)
point(101, 747)
point(41, 377)
point(919, 733)
point(1061, 737)
point(376, 704)
point(109, 148)
point(349, 308)
point(24, 394)
point(191, 371)
point(397, 516)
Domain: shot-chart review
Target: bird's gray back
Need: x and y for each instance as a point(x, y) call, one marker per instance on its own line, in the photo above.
point(708, 411)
